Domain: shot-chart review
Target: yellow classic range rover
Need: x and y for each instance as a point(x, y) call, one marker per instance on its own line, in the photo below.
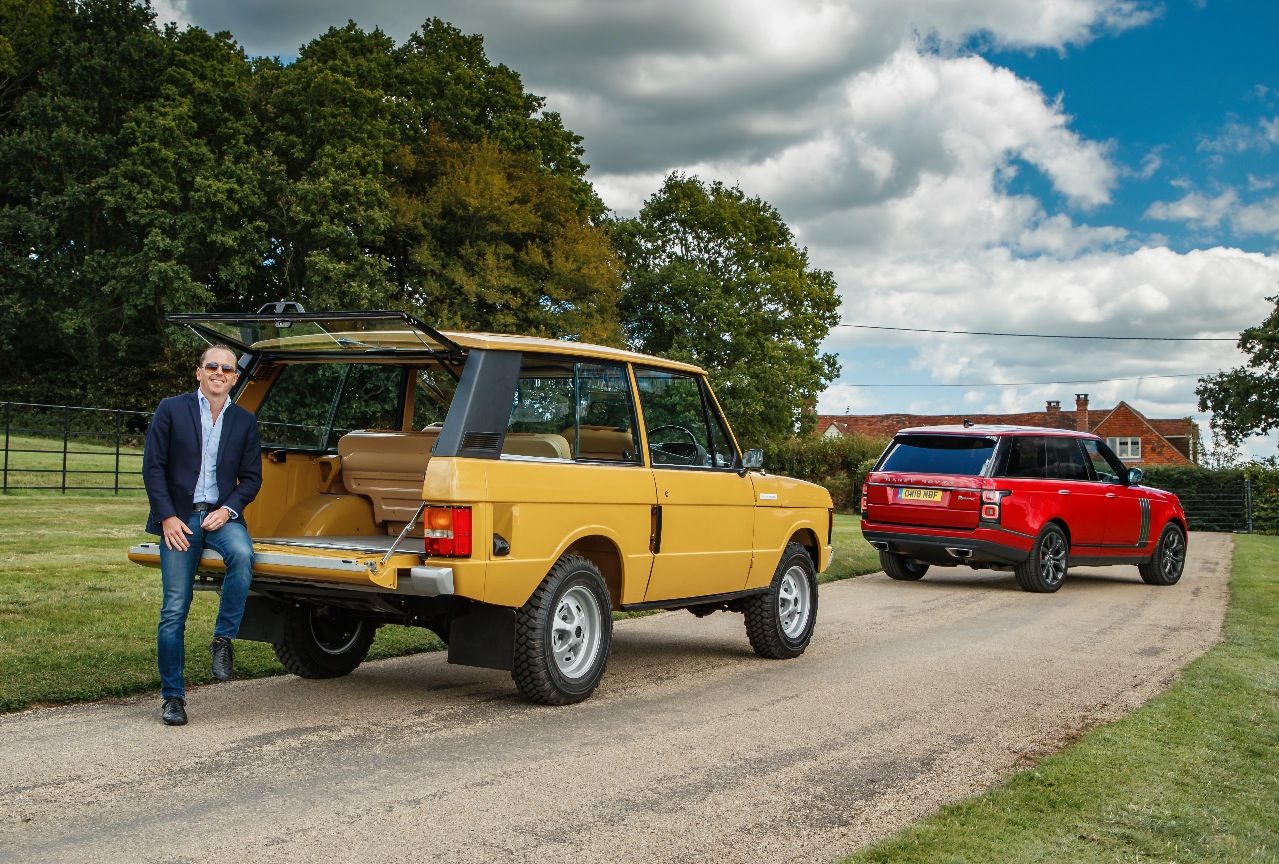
point(506, 492)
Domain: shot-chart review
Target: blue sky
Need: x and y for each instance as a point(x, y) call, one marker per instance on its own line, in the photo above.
point(1043, 166)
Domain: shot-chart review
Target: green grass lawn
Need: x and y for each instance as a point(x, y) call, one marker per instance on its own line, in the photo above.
point(77, 618)
point(1193, 776)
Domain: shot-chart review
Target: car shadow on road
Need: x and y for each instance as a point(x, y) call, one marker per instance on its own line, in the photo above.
point(997, 580)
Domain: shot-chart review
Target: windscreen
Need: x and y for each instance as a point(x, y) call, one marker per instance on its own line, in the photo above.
point(939, 454)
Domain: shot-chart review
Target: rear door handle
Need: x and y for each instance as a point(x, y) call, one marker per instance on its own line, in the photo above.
point(1111, 495)
point(1063, 491)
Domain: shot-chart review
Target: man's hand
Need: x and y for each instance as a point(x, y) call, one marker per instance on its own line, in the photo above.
point(175, 533)
point(215, 519)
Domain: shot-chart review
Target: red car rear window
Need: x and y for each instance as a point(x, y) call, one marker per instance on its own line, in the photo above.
point(938, 454)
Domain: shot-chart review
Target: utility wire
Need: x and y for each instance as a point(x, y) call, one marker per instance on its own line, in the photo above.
point(1037, 383)
point(1049, 336)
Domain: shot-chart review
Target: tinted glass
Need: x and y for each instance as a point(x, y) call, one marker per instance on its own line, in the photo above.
point(1027, 457)
point(1066, 460)
point(939, 454)
point(673, 415)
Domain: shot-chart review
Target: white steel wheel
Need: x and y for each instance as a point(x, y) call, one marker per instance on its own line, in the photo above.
point(794, 602)
point(563, 634)
point(780, 620)
point(576, 632)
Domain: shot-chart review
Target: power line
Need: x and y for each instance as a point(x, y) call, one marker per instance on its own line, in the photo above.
point(1037, 383)
point(1048, 336)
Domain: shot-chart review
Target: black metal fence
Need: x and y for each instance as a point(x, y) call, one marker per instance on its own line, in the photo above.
point(65, 448)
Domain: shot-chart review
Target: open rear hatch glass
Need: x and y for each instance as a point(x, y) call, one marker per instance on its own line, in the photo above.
point(931, 480)
point(321, 334)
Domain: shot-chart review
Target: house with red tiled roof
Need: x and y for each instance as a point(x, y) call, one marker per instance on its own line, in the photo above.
point(1136, 438)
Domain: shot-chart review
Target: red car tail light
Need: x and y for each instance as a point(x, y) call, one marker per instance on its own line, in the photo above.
point(447, 531)
point(991, 499)
point(865, 489)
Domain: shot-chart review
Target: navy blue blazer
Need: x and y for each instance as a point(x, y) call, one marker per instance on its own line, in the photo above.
point(171, 459)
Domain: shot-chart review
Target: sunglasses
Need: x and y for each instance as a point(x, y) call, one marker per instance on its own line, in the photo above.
point(225, 367)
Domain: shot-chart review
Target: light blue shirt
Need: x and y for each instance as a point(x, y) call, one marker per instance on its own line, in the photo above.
point(206, 484)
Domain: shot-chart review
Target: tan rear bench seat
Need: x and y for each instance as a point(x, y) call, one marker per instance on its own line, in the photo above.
point(388, 467)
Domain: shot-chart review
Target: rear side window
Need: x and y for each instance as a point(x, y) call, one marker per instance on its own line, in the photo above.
point(939, 454)
point(1027, 457)
point(571, 409)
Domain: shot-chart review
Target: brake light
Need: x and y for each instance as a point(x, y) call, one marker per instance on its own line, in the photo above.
point(991, 499)
point(447, 531)
point(865, 490)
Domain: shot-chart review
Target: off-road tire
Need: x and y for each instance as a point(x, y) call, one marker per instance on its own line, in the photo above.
point(902, 568)
point(779, 622)
point(1045, 567)
point(1168, 562)
point(322, 642)
point(549, 667)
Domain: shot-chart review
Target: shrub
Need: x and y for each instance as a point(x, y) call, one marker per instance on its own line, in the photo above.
point(839, 464)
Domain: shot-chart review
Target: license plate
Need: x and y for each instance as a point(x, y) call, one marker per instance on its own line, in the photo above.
point(919, 495)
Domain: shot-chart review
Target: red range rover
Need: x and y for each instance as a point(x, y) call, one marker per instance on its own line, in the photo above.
point(1034, 501)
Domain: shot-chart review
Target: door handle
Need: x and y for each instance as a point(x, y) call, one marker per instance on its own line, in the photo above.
point(1111, 495)
point(1063, 491)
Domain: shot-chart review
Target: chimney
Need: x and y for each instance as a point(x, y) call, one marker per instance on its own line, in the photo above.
point(1081, 413)
point(1054, 413)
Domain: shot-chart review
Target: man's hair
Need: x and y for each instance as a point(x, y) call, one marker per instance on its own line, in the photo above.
point(204, 354)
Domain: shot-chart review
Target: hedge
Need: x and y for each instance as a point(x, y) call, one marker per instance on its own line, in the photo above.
point(839, 464)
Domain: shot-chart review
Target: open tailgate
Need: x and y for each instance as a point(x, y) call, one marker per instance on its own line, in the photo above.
point(309, 559)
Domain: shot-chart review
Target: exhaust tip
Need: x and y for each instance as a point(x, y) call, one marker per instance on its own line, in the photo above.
point(881, 545)
point(960, 553)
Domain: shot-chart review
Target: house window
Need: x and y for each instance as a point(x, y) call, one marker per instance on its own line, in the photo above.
point(1126, 448)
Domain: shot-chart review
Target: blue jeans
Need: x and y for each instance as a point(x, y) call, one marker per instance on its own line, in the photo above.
point(177, 575)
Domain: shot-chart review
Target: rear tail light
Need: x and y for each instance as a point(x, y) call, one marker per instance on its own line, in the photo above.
point(865, 488)
point(991, 499)
point(447, 531)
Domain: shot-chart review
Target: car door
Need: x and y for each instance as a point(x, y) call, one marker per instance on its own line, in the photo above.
point(704, 515)
point(1083, 504)
point(1127, 508)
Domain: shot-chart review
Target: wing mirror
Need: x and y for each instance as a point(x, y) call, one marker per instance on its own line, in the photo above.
point(1134, 476)
point(753, 460)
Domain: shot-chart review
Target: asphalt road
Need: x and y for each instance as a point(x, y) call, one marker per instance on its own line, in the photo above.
point(693, 749)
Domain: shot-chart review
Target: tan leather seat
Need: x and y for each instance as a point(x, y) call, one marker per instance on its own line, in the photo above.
point(603, 442)
point(544, 445)
point(388, 468)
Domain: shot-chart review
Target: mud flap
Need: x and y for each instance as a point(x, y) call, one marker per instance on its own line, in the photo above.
point(483, 636)
point(263, 620)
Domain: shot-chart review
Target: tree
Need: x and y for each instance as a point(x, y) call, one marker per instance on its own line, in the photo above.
point(147, 171)
point(1245, 401)
point(715, 278)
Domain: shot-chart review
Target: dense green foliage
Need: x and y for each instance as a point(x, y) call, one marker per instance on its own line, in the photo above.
point(1245, 401)
point(715, 278)
point(839, 464)
point(145, 171)
point(1218, 500)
